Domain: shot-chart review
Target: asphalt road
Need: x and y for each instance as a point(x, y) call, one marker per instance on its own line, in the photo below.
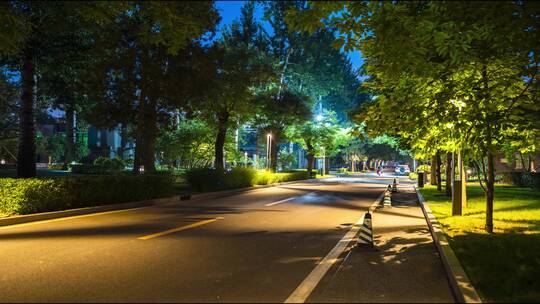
point(258, 246)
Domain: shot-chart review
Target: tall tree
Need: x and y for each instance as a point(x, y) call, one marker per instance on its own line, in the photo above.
point(31, 29)
point(449, 75)
point(240, 69)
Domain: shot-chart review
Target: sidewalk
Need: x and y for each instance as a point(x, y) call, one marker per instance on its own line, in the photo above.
point(404, 265)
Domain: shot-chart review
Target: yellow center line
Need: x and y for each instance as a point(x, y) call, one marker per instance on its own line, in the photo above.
point(197, 224)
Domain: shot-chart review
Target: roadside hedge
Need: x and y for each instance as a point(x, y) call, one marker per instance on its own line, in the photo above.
point(208, 179)
point(101, 165)
point(522, 179)
point(25, 196)
point(56, 166)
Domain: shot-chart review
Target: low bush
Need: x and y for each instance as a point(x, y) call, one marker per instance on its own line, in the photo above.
point(426, 168)
point(102, 165)
point(266, 177)
point(113, 164)
point(56, 166)
point(207, 179)
point(8, 166)
point(240, 177)
point(24, 196)
point(522, 179)
point(413, 175)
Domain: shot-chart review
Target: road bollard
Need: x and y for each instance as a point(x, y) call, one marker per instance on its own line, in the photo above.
point(365, 237)
point(394, 186)
point(387, 198)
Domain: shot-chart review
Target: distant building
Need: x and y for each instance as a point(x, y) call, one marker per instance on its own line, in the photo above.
point(108, 143)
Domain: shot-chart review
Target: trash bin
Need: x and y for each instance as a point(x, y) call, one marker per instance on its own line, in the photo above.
point(421, 178)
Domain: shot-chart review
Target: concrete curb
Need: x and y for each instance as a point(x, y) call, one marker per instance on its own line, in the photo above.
point(462, 289)
point(20, 219)
point(27, 218)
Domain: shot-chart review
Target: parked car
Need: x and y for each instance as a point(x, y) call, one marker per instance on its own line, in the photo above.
point(402, 169)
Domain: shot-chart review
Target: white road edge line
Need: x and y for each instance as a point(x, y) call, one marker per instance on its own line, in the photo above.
point(302, 292)
point(281, 201)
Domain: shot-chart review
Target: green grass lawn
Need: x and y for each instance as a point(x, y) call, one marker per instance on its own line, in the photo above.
point(503, 266)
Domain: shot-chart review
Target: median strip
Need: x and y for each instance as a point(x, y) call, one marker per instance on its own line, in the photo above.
point(197, 224)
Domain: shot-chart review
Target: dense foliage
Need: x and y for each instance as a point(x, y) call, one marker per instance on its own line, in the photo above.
point(208, 179)
point(24, 196)
point(446, 76)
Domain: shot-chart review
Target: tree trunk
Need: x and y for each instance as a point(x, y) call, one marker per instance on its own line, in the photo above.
point(70, 134)
point(448, 187)
point(123, 141)
point(326, 165)
point(26, 160)
point(220, 143)
point(310, 153)
point(439, 178)
point(490, 191)
point(257, 152)
point(149, 155)
point(433, 173)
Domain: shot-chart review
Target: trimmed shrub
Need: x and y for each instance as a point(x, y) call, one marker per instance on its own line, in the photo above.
point(56, 166)
point(113, 164)
point(522, 179)
point(208, 179)
point(205, 179)
point(102, 165)
point(413, 175)
point(266, 177)
point(8, 166)
point(24, 196)
point(426, 168)
point(535, 180)
point(240, 177)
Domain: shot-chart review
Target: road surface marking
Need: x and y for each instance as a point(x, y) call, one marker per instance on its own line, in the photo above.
point(197, 224)
point(66, 218)
point(281, 201)
point(290, 198)
point(302, 292)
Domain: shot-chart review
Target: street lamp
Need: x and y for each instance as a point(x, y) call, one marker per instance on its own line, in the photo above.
point(268, 149)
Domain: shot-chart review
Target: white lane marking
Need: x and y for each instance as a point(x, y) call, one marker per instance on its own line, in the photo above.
point(281, 201)
point(290, 198)
point(302, 292)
